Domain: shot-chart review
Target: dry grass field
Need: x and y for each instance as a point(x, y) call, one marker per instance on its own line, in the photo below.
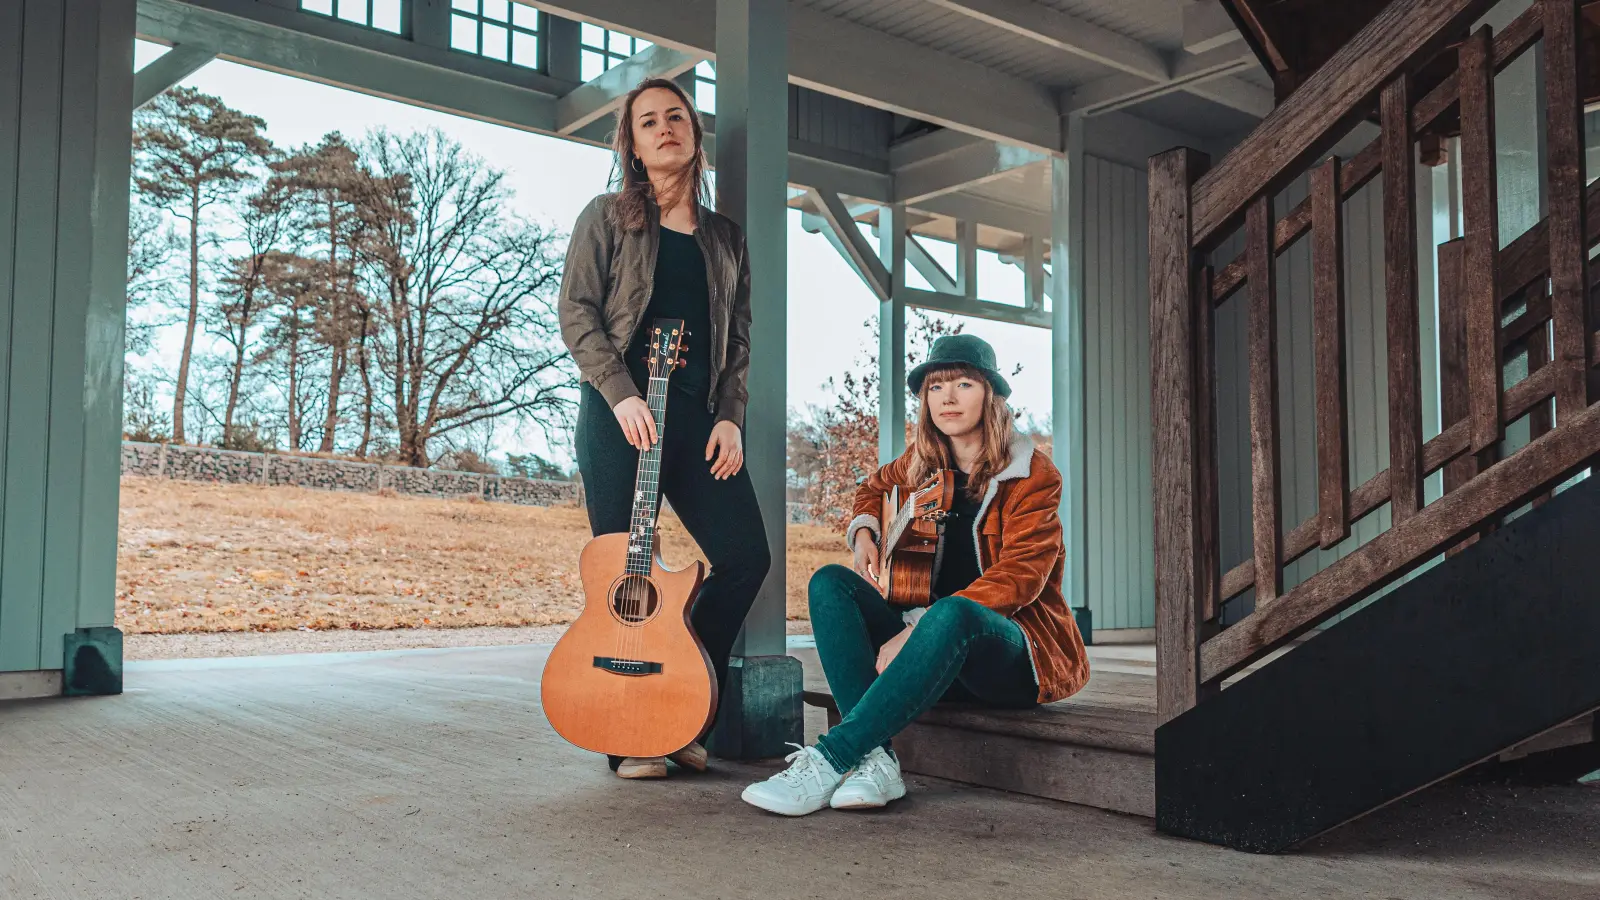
point(216, 557)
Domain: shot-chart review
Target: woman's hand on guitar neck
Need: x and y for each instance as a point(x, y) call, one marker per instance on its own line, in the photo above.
point(866, 550)
point(637, 421)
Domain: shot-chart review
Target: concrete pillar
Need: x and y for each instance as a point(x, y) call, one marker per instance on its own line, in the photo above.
point(892, 337)
point(760, 706)
point(1066, 361)
point(66, 93)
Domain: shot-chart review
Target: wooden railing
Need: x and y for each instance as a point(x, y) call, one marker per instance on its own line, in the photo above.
point(1544, 272)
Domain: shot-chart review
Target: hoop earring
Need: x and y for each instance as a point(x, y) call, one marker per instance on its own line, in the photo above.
point(637, 165)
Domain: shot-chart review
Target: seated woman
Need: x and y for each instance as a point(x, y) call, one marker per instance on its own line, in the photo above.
point(1000, 633)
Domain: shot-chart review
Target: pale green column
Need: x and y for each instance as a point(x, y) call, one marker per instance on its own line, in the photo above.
point(1066, 360)
point(66, 88)
point(892, 337)
point(761, 707)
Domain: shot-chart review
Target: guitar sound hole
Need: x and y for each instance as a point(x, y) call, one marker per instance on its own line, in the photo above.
point(634, 600)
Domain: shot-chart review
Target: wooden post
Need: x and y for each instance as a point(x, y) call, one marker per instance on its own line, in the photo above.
point(1173, 303)
point(1400, 266)
point(1327, 300)
point(1262, 339)
point(1568, 249)
point(1481, 228)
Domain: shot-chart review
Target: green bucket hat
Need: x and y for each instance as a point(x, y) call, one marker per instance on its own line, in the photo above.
point(960, 350)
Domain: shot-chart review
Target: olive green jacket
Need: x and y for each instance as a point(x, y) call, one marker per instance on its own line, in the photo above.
point(606, 288)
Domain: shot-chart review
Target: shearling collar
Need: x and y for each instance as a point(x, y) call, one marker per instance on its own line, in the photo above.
point(1022, 450)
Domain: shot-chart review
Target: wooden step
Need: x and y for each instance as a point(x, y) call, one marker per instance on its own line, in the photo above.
point(1096, 748)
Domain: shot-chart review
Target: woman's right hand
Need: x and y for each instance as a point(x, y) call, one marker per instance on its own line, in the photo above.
point(637, 421)
point(866, 549)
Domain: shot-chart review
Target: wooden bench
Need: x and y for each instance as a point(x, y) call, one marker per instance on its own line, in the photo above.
point(1096, 748)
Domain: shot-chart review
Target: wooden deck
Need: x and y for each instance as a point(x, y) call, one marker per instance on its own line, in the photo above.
point(1096, 748)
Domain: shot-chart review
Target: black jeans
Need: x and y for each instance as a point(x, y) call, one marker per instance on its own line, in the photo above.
point(721, 516)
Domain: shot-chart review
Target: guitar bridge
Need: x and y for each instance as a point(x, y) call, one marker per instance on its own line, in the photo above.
point(627, 666)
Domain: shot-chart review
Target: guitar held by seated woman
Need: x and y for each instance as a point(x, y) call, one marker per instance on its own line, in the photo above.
point(994, 629)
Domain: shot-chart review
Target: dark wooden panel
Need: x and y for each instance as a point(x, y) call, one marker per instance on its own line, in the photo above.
point(1327, 299)
point(1209, 552)
point(1397, 551)
point(1261, 336)
point(1400, 297)
point(1172, 332)
point(1400, 687)
point(1568, 252)
point(1481, 229)
point(1310, 121)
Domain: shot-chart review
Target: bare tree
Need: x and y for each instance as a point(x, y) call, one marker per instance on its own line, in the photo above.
point(192, 151)
point(466, 294)
point(266, 224)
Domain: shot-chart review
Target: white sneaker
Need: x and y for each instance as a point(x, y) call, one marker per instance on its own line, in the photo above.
point(803, 788)
point(873, 783)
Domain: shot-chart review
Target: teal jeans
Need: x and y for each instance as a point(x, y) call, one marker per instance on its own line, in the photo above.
point(960, 650)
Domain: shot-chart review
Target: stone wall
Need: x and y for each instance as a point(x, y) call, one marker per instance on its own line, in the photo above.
point(237, 467)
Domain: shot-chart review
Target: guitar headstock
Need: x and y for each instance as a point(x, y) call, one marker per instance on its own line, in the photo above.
point(666, 347)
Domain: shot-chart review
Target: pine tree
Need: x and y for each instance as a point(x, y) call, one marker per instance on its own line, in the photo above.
point(331, 186)
point(246, 295)
point(192, 151)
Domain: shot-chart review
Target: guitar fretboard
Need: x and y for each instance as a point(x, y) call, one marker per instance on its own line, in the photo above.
point(642, 531)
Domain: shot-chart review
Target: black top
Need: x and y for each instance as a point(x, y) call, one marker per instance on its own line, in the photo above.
point(958, 564)
point(680, 291)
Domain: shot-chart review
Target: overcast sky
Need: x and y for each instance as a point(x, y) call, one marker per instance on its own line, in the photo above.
point(554, 178)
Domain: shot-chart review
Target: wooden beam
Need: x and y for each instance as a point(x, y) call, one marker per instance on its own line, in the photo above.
point(1327, 300)
point(172, 67)
point(600, 98)
point(857, 250)
point(1262, 337)
point(1481, 230)
point(1061, 31)
point(1172, 378)
point(1400, 293)
point(1568, 250)
point(1308, 123)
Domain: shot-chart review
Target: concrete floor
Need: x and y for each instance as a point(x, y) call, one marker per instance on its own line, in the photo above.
point(431, 774)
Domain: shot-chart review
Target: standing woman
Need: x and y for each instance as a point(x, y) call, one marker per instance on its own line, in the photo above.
point(652, 249)
point(998, 631)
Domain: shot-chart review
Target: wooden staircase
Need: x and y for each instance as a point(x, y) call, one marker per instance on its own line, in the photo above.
point(1480, 653)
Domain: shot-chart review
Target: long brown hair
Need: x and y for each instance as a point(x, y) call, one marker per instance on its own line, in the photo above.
point(631, 211)
point(930, 449)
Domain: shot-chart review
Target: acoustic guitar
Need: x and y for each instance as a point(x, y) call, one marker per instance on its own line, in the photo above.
point(630, 677)
point(906, 551)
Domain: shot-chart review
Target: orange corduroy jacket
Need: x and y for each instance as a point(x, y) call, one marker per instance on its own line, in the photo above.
point(1021, 555)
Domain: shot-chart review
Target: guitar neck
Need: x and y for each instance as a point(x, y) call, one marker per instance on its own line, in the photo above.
point(902, 520)
point(642, 530)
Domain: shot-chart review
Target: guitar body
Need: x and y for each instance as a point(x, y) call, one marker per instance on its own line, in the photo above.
point(629, 677)
point(906, 570)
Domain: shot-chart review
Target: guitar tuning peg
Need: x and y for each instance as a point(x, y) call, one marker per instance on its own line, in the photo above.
point(682, 363)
